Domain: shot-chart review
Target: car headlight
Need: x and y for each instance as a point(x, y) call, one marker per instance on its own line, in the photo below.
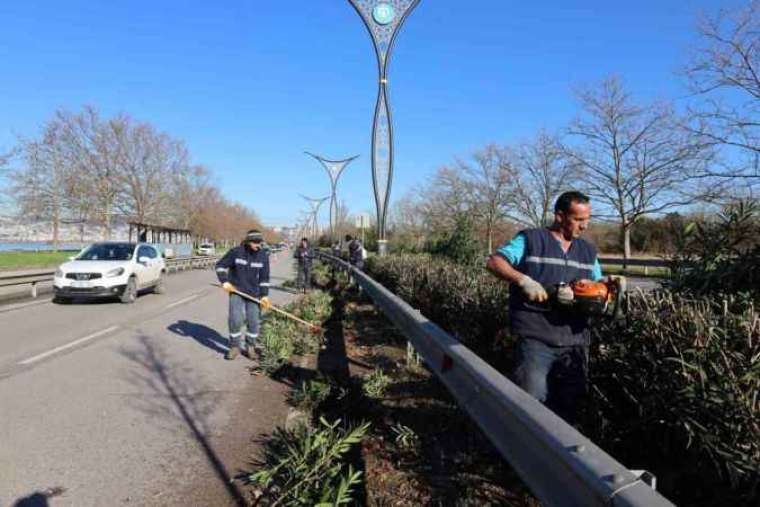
point(58, 273)
point(115, 272)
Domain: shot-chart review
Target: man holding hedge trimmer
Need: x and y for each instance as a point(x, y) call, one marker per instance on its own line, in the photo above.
point(244, 271)
point(552, 274)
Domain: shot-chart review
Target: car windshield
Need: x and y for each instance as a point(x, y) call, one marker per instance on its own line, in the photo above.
point(206, 245)
point(107, 252)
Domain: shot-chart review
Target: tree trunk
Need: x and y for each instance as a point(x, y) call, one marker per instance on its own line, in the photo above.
point(56, 222)
point(626, 244)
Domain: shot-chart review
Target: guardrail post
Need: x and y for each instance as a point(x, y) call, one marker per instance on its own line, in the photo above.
point(34, 289)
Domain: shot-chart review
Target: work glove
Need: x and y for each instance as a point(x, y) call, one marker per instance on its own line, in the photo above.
point(533, 290)
point(228, 287)
point(265, 304)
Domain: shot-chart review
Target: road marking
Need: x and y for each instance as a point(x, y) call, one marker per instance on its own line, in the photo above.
point(177, 303)
point(68, 345)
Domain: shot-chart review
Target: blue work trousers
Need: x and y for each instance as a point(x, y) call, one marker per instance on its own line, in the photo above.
point(555, 376)
point(243, 311)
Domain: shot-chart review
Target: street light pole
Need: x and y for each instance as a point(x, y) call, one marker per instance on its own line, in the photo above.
point(334, 169)
point(383, 19)
point(315, 203)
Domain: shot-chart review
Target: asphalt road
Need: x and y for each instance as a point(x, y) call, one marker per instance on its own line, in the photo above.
point(130, 404)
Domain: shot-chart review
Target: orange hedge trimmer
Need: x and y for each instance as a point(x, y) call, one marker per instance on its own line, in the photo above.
point(314, 328)
point(603, 298)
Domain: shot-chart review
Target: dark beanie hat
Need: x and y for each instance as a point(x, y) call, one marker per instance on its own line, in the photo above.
point(254, 235)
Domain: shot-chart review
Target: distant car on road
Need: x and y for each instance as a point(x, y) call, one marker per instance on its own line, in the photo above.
point(206, 249)
point(110, 269)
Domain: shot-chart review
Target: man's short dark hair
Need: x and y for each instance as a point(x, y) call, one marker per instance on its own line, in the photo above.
point(348, 237)
point(305, 239)
point(567, 199)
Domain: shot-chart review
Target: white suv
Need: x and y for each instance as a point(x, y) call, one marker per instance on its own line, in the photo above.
point(206, 249)
point(110, 269)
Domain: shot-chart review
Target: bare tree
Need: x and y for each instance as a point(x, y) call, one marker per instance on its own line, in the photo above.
point(148, 162)
point(41, 184)
point(635, 160)
point(543, 171)
point(726, 71)
point(490, 186)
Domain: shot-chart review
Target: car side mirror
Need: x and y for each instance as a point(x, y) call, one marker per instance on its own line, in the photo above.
point(143, 260)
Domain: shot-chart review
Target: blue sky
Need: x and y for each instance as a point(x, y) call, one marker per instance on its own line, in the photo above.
point(250, 85)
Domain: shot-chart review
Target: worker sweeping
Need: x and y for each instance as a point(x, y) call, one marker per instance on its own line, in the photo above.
point(245, 269)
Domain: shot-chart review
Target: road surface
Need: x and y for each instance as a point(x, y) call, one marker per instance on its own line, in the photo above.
point(130, 404)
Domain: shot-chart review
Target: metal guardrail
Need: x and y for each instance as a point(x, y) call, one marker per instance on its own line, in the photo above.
point(645, 263)
point(37, 277)
point(559, 464)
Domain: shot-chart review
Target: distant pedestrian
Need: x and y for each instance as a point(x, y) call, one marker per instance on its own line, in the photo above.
point(356, 252)
point(304, 255)
point(245, 268)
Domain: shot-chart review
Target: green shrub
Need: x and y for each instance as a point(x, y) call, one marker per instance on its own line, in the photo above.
point(305, 466)
point(311, 393)
point(720, 255)
point(282, 337)
point(677, 391)
point(460, 245)
point(466, 301)
point(375, 383)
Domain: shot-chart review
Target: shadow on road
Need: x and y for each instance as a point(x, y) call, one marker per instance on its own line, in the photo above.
point(39, 498)
point(172, 393)
point(202, 334)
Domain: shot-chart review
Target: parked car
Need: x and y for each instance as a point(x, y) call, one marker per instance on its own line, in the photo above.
point(206, 249)
point(110, 269)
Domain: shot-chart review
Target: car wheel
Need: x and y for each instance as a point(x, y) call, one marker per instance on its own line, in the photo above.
point(130, 292)
point(160, 286)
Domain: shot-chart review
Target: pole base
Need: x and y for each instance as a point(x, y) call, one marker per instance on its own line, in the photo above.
point(382, 247)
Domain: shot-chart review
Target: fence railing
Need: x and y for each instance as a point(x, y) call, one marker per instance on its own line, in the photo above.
point(641, 263)
point(34, 278)
point(559, 464)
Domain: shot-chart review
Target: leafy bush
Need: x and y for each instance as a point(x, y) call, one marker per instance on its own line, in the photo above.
point(305, 466)
point(683, 379)
point(720, 256)
point(311, 393)
point(375, 383)
point(467, 301)
point(460, 245)
point(281, 337)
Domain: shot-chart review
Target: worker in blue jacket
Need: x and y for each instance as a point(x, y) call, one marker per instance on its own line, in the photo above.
point(551, 345)
point(245, 268)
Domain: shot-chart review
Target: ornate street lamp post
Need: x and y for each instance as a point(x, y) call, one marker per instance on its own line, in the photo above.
point(334, 169)
point(315, 203)
point(383, 19)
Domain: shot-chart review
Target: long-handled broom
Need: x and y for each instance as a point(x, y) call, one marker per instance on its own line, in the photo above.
point(314, 328)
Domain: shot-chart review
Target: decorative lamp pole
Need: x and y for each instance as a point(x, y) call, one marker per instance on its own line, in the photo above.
point(334, 169)
point(383, 19)
point(315, 203)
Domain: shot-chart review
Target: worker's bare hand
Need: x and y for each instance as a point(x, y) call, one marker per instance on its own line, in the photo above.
point(227, 286)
